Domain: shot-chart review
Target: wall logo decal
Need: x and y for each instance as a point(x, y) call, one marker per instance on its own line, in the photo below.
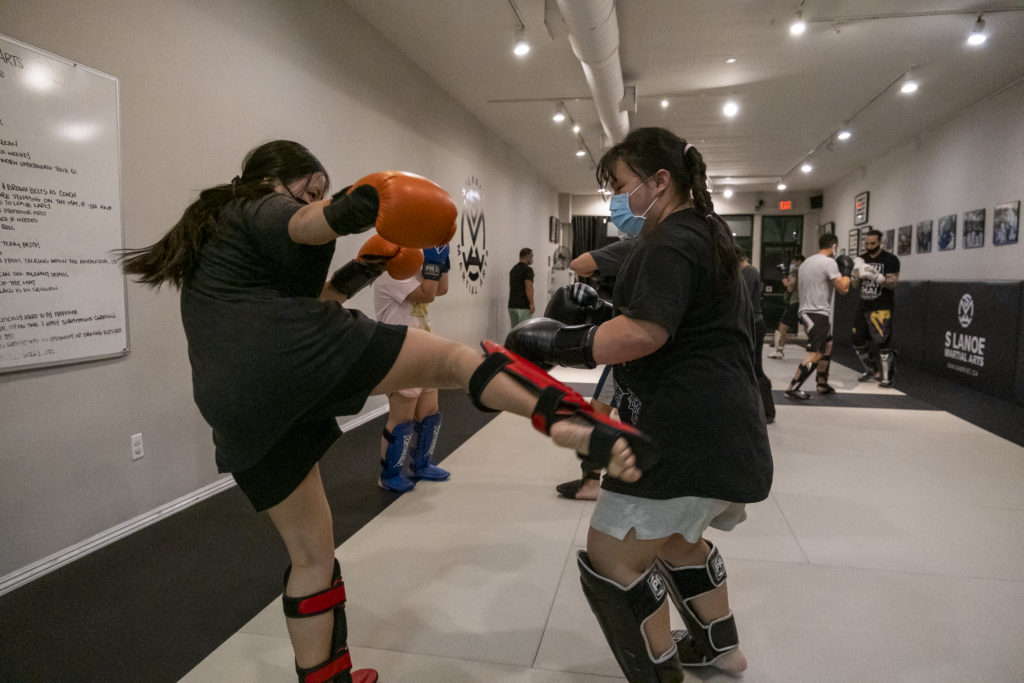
point(965, 311)
point(472, 246)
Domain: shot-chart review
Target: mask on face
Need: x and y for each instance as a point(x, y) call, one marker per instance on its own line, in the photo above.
point(622, 216)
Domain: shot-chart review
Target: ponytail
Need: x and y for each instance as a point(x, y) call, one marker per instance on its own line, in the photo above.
point(647, 150)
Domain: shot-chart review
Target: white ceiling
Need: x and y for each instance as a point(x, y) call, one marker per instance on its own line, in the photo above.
point(794, 93)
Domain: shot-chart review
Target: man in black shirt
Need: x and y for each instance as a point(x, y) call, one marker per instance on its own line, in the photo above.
point(876, 273)
point(520, 288)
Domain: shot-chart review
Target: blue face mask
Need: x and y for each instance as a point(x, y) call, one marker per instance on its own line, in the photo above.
point(623, 217)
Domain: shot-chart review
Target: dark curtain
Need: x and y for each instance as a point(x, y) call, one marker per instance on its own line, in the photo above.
point(588, 233)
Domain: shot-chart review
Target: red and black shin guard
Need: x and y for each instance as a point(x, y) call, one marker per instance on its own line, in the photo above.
point(338, 667)
point(557, 401)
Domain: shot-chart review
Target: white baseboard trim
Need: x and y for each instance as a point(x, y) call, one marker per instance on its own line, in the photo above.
point(57, 560)
point(25, 575)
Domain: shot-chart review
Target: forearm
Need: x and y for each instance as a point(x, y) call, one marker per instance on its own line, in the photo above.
point(890, 281)
point(623, 339)
point(424, 294)
point(308, 225)
point(529, 293)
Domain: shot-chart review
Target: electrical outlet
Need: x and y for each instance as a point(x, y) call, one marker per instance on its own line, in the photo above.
point(137, 451)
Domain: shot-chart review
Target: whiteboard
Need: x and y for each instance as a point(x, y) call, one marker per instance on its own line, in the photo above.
point(62, 295)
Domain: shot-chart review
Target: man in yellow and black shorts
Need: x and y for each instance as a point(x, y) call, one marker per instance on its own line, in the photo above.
point(876, 273)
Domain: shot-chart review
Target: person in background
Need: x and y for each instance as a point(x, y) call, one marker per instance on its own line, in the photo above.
point(414, 419)
point(791, 298)
point(875, 273)
point(752, 280)
point(604, 264)
point(821, 276)
point(520, 288)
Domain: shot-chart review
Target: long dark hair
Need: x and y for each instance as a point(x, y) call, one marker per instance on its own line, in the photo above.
point(174, 258)
point(647, 150)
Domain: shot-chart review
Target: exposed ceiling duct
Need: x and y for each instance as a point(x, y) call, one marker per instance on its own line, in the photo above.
point(594, 35)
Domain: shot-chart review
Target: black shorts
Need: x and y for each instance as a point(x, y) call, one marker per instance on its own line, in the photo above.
point(874, 327)
point(789, 316)
point(290, 459)
point(819, 331)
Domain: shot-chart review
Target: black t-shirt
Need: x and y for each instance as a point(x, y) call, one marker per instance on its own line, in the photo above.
point(517, 278)
point(264, 349)
point(752, 281)
point(696, 396)
point(876, 297)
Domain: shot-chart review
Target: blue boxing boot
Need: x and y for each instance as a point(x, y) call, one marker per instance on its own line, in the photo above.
point(422, 468)
point(399, 444)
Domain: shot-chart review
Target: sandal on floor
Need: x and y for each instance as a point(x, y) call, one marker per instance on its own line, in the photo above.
point(569, 489)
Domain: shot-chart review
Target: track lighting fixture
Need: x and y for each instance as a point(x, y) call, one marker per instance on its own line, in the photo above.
point(559, 113)
point(781, 186)
point(798, 26)
point(909, 85)
point(843, 135)
point(806, 168)
point(978, 35)
point(522, 47)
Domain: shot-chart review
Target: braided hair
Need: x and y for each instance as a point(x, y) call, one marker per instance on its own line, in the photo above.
point(174, 257)
point(647, 150)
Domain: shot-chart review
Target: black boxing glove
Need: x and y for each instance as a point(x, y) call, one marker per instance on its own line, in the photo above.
point(578, 304)
point(845, 264)
point(352, 211)
point(548, 342)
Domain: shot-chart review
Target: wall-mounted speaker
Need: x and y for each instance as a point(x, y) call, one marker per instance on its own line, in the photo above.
point(816, 201)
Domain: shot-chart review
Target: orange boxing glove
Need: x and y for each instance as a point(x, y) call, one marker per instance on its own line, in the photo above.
point(414, 211)
point(401, 262)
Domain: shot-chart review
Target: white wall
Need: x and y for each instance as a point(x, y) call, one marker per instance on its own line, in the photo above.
point(201, 83)
point(974, 161)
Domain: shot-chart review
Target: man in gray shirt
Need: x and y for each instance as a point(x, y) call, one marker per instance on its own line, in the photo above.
point(819, 278)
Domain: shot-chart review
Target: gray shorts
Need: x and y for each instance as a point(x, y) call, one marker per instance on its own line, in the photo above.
point(615, 514)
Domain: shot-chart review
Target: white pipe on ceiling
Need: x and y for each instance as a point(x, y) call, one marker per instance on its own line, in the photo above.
point(594, 35)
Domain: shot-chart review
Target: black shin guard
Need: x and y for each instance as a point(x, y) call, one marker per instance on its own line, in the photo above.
point(621, 612)
point(701, 644)
point(338, 666)
point(804, 372)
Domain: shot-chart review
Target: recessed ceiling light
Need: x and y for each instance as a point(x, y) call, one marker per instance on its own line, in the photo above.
point(908, 86)
point(806, 168)
point(576, 128)
point(843, 135)
point(781, 186)
point(664, 104)
point(731, 60)
point(730, 109)
point(727, 192)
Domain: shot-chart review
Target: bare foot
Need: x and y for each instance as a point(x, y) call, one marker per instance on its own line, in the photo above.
point(575, 434)
point(590, 490)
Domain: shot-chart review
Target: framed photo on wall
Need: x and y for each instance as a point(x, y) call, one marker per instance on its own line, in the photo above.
point(888, 239)
point(827, 229)
point(924, 237)
point(1005, 220)
point(853, 242)
point(947, 232)
point(904, 235)
point(974, 229)
point(860, 208)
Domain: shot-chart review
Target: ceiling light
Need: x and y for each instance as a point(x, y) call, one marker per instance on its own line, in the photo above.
point(781, 186)
point(727, 192)
point(909, 84)
point(580, 150)
point(575, 128)
point(806, 168)
point(798, 26)
point(843, 135)
point(559, 113)
point(522, 48)
point(731, 60)
point(664, 104)
point(978, 35)
point(730, 109)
